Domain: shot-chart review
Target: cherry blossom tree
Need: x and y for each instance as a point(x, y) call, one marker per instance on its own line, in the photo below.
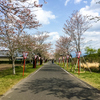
point(95, 18)
point(35, 44)
point(42, 47)
point(63, 47)
point(64, 43)
point(14, 18)
point(75, 27)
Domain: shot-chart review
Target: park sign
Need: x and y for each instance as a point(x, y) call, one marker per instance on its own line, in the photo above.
point(79, 53)
point(67, 56)
point(78, 56)
point(25, 54)
point(35, 56)
point(39, 58)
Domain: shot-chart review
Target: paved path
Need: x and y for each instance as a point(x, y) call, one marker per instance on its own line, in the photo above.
point(51, 82)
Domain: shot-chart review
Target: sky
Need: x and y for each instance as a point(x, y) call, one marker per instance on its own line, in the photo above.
point(54, 14)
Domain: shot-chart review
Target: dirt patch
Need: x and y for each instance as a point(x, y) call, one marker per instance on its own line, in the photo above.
point(93, 66)
point(90, 65)
point(6, 66)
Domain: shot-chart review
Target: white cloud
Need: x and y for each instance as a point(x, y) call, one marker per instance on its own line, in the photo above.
point(93, 34)
point(85, 2)
point(32, 1)
point(44, 16)
point(88, 11)
point(53, 33)
point(77, 1)
point(53, 36)
point(92, 39)
point(95, 27)
point(93, 9)
point(66, 2)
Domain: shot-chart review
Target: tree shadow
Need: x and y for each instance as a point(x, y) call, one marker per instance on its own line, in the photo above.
point(53, 68)
point(60, 88)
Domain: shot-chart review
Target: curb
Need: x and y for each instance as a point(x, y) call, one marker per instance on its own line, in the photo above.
point(83, 82)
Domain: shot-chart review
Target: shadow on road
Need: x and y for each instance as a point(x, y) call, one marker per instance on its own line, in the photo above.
point(60, 88)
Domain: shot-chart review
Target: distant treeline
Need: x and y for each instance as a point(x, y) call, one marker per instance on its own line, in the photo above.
point(93, 55)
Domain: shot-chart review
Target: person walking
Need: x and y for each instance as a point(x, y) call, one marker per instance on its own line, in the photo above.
point(52, 61)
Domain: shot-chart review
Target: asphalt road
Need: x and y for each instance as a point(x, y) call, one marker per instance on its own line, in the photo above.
point(51, 82)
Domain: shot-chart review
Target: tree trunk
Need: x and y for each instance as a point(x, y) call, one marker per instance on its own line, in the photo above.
point(13, 66)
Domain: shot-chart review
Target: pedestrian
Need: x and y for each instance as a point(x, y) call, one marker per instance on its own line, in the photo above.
point(52, 61)
point(33, 63)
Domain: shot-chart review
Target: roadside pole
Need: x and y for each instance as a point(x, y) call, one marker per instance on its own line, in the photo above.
point(24, 67)
point(25, 54)
point(35, 60)
point(59, 61)
point(79, 53)
point(39, 60)
point(63, 61)
point(67, 60)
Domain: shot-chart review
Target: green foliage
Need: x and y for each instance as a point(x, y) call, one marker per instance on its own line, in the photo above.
point(92, 55)
point(98, 52)
point(90, 51)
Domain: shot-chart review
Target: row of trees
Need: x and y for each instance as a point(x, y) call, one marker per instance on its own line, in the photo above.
point(74, 28)
point(15, 17)
point(72, 41)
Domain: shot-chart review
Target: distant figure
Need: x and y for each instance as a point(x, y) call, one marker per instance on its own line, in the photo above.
point(33, 63)
point(52, 61)
point(40, 61)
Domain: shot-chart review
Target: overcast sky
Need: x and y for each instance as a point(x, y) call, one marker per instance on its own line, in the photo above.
point(54, 14)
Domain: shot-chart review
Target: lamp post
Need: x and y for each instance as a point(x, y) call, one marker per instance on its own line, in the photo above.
point(78, 56)
point(63, 60)
point(39, 60)
point(35, 60)
point(25, 54)
point(59, 61)
point(62, 57)
point(67, 60)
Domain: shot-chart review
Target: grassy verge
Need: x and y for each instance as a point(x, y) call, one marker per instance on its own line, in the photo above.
point(8, 80)
point(91, 78)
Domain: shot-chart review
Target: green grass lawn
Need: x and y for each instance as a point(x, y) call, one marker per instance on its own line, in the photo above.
point(91, 78)
point(8, 80)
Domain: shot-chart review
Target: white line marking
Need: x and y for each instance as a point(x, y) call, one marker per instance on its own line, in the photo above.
point(77, 79)
point(67, 72)
point(37, 71)
point(19, 83)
